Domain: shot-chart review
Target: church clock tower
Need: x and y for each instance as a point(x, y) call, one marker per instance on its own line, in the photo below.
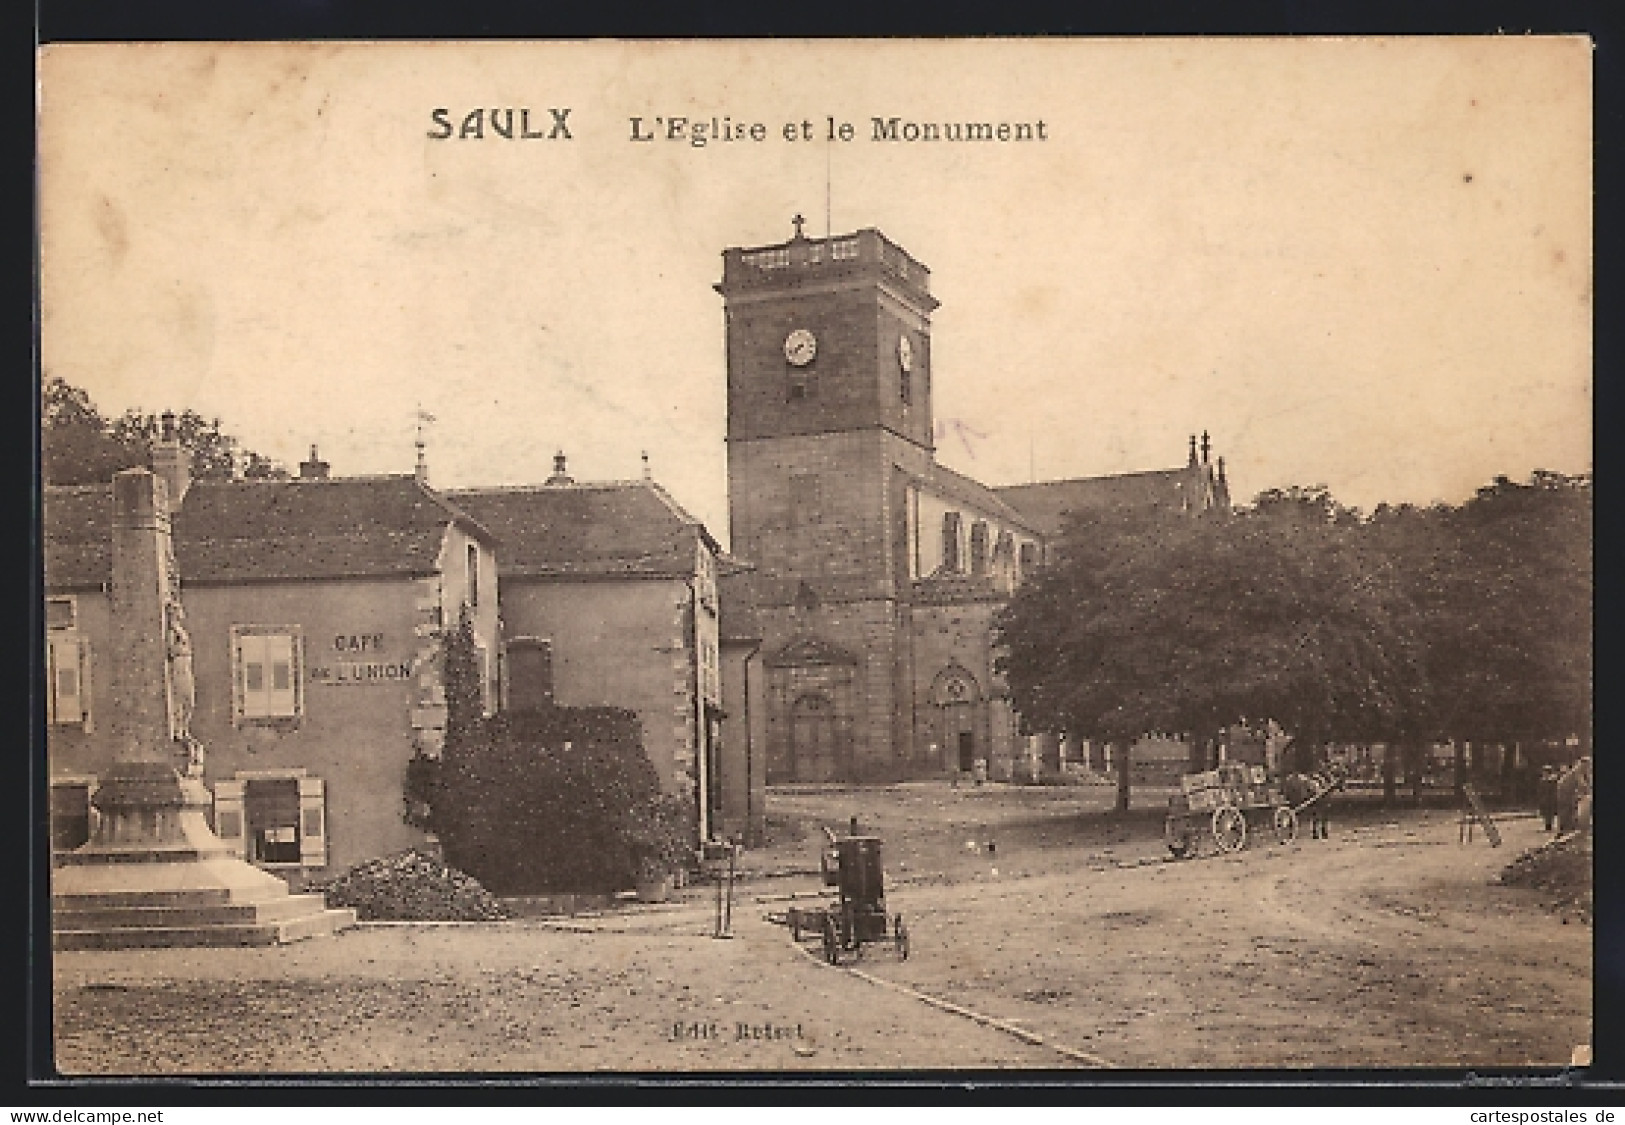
point(829, 413)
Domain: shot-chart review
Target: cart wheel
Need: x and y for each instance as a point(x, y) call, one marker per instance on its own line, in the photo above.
point(832, 946)
point(1229, 829)
point(1286, 824)
point(900, 936)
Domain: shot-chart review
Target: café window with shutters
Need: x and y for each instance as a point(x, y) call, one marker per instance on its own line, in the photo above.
point(268, 674)
point(67, 666)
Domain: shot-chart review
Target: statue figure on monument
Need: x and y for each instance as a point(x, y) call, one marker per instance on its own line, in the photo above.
point(178, 665)
point(182, 687)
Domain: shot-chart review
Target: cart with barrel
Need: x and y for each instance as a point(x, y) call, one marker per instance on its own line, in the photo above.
point(1228, 805)
point(851, 864)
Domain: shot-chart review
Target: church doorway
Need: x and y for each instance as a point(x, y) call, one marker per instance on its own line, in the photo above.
point(813, 754)
point(959, 706)
point(967, 751)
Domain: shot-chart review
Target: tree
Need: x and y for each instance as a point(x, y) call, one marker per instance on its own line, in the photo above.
point(558, 799)
point(1502, 587)
point(80, 446)
point(1164, 621)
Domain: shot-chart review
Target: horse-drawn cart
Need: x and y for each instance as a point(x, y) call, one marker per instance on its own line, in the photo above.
point(1227, 804)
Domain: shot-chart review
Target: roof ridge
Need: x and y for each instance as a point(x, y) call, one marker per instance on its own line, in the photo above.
point(572, 486)
point(1091, 479)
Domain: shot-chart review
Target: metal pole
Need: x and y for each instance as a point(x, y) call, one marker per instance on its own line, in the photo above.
point(728, 915)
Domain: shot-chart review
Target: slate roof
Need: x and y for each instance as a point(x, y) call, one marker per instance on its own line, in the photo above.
point(258, 531)
point(1047, 503)
point(612, 529)
point(951, 485)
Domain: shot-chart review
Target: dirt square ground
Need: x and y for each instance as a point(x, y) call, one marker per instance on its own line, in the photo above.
point(1072, 943)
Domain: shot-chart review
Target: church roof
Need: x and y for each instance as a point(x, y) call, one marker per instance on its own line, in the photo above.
point(265, 530)
point(951, 485)
point(1048, 503)
point(630, 529)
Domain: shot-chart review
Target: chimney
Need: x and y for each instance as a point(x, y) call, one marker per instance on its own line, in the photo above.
point(559, 475)
point(315, 468)
point(171, 461)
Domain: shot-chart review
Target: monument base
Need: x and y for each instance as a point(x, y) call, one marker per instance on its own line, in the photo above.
point(155, 875)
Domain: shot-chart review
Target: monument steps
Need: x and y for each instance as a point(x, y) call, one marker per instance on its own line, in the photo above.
point(77, 915)
point(320, 923)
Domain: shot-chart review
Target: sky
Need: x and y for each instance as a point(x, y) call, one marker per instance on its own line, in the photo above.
point(1359, 263)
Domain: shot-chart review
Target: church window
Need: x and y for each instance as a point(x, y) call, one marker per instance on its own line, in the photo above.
point(905, 386)
point(1029, 558)
point(978, 548)
point(268, 662)
point(473, 575)
point(950, 541)
point(1005, 552)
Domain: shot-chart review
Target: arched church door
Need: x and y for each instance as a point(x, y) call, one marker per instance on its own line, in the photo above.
point(812, 739)
point(959, 711)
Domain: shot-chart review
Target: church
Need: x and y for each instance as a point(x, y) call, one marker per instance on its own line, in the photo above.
point(877, 571)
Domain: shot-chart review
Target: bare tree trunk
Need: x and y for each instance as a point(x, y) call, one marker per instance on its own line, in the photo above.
point(1390, 774)
point(1123, 776)
point(1459, 778)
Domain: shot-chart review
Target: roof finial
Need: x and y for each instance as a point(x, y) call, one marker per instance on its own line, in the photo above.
point(647, 475)
point(1221, 470)
point(797, 221)
point(1206, 445)
point(1193, 449)
point(560, 476)
point(422, 470)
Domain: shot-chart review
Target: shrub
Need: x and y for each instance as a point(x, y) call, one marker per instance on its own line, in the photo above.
point(556, 800)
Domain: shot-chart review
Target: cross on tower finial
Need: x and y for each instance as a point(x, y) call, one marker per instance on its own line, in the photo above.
point(797, 222)
point(1207, 446)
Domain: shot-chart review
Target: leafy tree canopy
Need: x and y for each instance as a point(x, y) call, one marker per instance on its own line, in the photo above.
point(80, 446)
point(1153, 621)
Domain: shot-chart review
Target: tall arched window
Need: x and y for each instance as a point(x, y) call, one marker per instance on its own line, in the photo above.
point(950, 541)
point(978, 548)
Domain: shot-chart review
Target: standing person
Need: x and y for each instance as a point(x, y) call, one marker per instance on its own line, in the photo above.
point(1546, 795)
point(1329, 779)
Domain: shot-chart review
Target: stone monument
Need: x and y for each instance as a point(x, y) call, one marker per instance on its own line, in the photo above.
point(153, 872)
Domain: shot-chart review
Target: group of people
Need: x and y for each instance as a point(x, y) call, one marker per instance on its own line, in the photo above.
point(1564, 796)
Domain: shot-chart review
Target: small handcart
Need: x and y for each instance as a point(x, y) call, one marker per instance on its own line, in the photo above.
point(851, 864)
point(1227, 804)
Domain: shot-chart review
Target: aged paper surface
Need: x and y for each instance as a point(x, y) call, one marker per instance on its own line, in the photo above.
point(1363, 263)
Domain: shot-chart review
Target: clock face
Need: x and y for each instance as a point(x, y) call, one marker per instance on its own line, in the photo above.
point(905, 353)
point(800, 347)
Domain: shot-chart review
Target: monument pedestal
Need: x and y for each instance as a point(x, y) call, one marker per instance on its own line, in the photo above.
point(154, 874)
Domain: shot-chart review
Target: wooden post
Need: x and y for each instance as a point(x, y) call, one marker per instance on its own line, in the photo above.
point(1123, 776)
